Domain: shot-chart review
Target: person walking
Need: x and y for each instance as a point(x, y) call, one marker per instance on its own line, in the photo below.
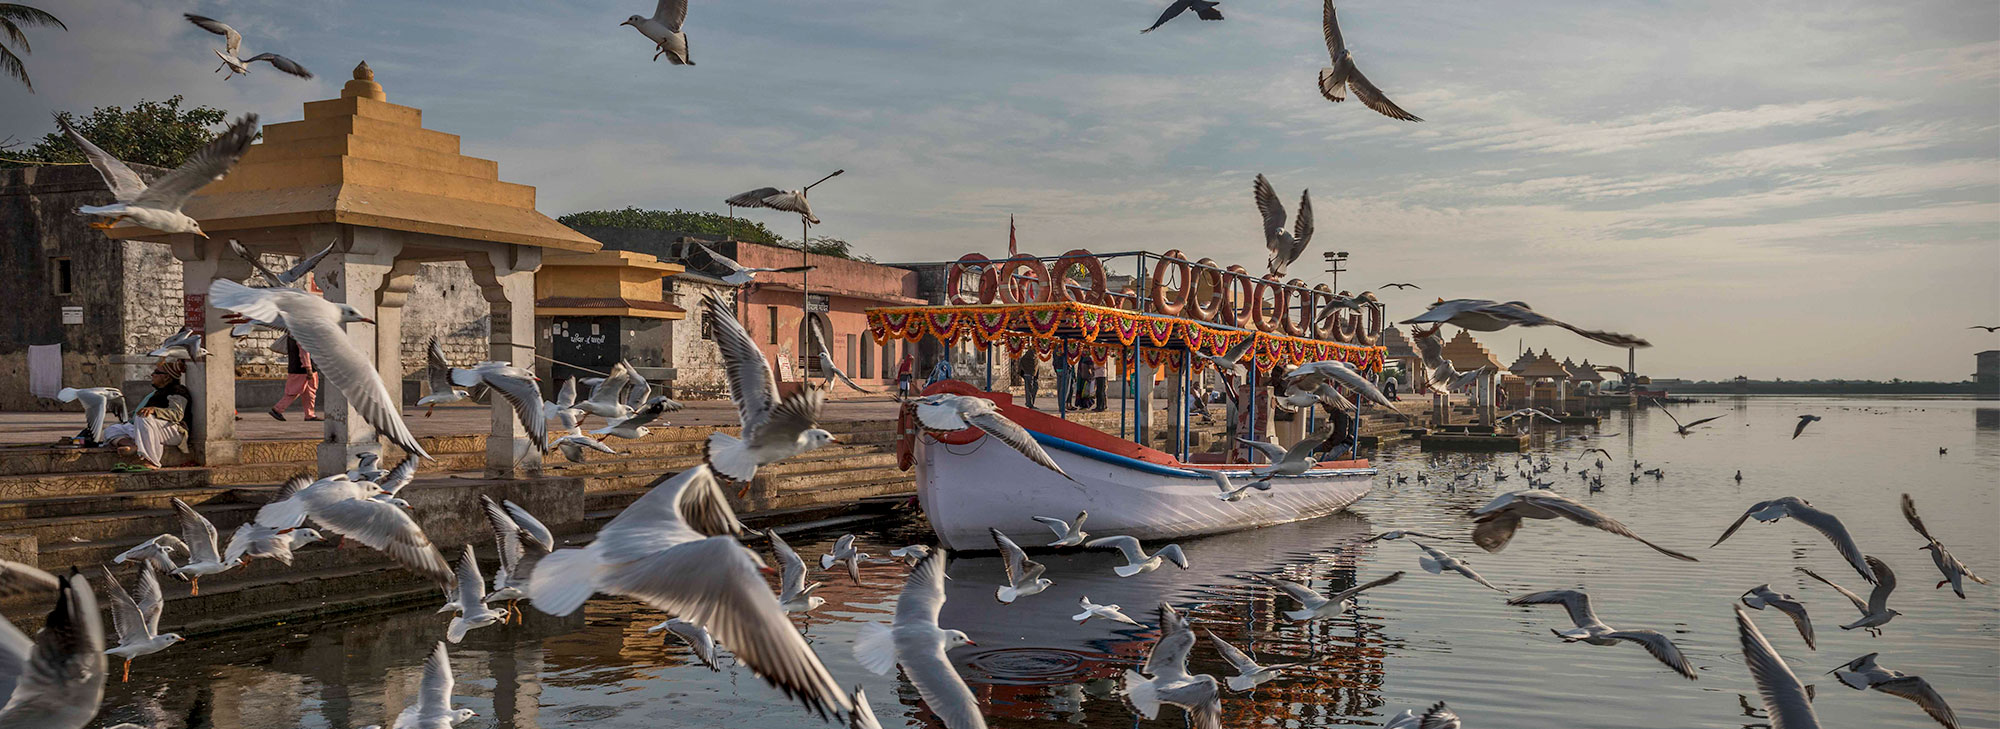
point(301, 381)
point(1029, 372)
point(903, 369)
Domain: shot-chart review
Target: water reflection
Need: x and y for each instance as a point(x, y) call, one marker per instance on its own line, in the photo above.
point(1423, 639)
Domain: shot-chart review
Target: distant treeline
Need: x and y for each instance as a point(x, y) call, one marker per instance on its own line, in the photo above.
point(1827, 387)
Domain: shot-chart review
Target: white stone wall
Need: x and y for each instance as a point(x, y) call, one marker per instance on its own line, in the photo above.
point(697, 362)
point(446, 302)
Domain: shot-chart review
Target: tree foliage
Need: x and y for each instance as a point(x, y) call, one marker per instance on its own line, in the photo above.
point(14, 17)
point(685, 221)
point(822, 245)
point(158, 133)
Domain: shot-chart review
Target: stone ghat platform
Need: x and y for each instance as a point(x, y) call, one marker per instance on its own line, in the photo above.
point(62, 508)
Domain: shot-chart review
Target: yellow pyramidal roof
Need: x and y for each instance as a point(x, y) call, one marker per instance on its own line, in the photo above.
point(361, 160)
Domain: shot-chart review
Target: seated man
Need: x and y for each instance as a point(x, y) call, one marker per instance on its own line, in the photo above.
point(160, 420)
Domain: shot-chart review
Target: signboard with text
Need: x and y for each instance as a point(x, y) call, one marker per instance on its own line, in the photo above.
point(194, 313)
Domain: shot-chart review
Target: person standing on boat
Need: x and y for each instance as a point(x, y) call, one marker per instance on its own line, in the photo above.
point(941, 372)
point(903, 369)
point(1028, 371)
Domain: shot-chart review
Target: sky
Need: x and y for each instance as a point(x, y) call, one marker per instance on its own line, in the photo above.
point(1774, 189)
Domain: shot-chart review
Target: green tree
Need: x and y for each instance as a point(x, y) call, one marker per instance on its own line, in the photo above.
point(822, 245)
point(685, 221)
point(14, 17)
point(158, 133)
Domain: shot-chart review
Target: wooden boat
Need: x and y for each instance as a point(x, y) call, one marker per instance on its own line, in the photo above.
point(969, 482)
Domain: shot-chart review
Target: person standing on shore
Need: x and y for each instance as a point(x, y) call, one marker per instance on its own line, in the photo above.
point(1064, 372)
point(1100, 373)
point(1029, 371)
point(903, 374)
point(301, 381)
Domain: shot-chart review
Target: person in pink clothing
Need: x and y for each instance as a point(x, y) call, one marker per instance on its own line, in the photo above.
point(301, 382)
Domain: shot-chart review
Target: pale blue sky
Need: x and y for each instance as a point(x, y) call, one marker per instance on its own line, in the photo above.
point(1796, 189)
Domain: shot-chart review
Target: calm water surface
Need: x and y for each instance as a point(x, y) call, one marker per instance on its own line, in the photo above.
point(1427, 638)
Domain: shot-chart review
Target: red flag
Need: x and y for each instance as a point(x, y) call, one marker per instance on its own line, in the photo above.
point(1012, 248)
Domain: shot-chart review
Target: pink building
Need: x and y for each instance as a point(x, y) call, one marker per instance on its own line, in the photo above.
point(839, 291)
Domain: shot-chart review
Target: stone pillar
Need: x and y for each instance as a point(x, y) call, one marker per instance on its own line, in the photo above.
point(506, 276)
point(352, 275)
point(1489, 386)
point(1177, 409)
point(212, 381)
point(1142, 403)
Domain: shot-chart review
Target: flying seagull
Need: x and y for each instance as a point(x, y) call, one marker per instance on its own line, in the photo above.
point(433, 707)
point(1826, 524)
point(946, 412)
point(791, 201)
point(1435, 561)
point(1863, 673)
point(55, 681)
point(1204, 9)
point(1988, 329)
point(1249, 673)
point(1312, 374)
point(1288, 461)
point(1437, 371)
point(739, 274)
point(1804, 420)
point(275, 530)
point(200, 536)
point(1438, 717)
point(471, 590)
point(1481, 315)
point(915, 641)
point(315, 324)
point(293, 277)
point(183, 345)
point(844, 553)
point(1593, 631)
point(1024, 576)
point(1108, 612)
point(1875, 611)
point(96, 402)
point(1400, 286)
point(513, 383)
point(1499, 519)
point(1953, 570)
point(1684, 430)
point(232, 44)
point(698, 641)
point(1068, 533)
point(1314, 605)
point(1170, 683)
point(1137, 562)
point(510, 538)
point(1336, 80)
point(826, 365)
point(675, 549)
point(773, 429)
point(158, 205)
point(159, 551)
point(794, 594)
point(1394, 534)
point(1763, 596)
point(136, 616)
point(911, 554)
point(664, 30)
point(1786, 701)
point(351, 509)
point(437, 371)
point(1284, 247)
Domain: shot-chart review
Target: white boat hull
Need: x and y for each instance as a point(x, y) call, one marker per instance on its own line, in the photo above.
point(967, 489)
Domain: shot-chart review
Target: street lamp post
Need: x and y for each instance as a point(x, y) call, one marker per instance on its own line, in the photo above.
point(805, 288)
point(1335, 260)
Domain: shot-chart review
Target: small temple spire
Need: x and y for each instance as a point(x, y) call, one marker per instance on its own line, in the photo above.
point(363, 85)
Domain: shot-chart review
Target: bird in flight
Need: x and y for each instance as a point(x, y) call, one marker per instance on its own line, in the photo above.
point(1336, 80)
point(1988, 329)
point(1204, 9)
point(1284, 247)
point(232, 43)
point(1400, 286)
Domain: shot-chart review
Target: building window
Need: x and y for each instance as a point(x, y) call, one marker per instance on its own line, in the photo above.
point(771, 331)
point(850, 357)
point(59, 277)
point(867, 357)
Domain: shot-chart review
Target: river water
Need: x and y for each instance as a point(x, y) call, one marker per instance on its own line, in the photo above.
point(1425, 639)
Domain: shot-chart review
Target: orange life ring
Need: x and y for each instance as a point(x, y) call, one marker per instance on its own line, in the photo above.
point(1013, 289)
point(954, 280)
point(1156, 289)
point(1093, 272)
point(906, 436)
point(1323, 326)
point(1207, 271)
point(1297, 323)
point(1281, 296)
point(1244, 296)
point(1371, 332)
point(1349, 325)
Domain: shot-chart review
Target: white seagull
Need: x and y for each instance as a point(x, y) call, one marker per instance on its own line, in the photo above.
point(1312, 374)
point(1826, 524)
point(1108, 612)
point(844, 553)
point(55, 681)
point(1249, 673)
point(1068, 533)
point(664, 30)
point(158, 551)
point(433, 708)
point(515, 384)
point(184, 345)
point(1291, 461)
point(1165, 678)
point(137, 618)
point(675, 549)
point(635, 425)
point(737, 274)
point(794, 593)
point(1435, 561)
point(573, 444)
point(1593, 631)
point(1438, 717)
point(698, 641)
point(1863, 673)
point(275, 531)
point(293, 277)
point(1499, 518)
point(563, 408)
point(201, 540)
point(471, 590)
point(1395, 534)
point(1283, 247)
point(1804, 420)
point(773, 429)
point(945, 412)
point(1684, 430)
point(1137, 562)
point(510, 536)
point(437, 371)
point(1875, 610)
point(1786, 701)
point(1954, 571)
point(158, 205)
point(232, 44)
point(350, 509)
point(1024, 576)
point(1336, 80)
point(315, 324)
point(1763, 596)
point(911, 554)
point(917, 643)
point(791, 201)
point(1314, 605)
point(608, 399)
point(96, 402)
point(1481, 315)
